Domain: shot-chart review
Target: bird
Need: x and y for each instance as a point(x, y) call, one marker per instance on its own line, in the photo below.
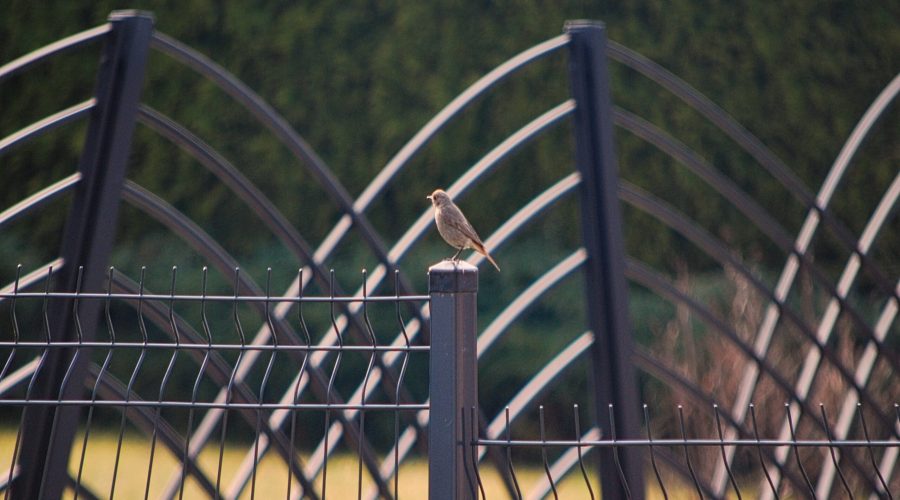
point(454, 228)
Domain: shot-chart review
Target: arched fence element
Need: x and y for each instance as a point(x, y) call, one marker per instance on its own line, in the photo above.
point(619, 435)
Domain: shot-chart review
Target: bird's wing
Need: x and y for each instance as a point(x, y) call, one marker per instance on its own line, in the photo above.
point(462, 224)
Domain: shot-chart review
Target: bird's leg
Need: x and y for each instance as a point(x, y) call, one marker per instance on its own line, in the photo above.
point(455, 257)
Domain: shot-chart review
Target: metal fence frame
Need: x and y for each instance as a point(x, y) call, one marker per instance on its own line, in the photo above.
point(100, 183)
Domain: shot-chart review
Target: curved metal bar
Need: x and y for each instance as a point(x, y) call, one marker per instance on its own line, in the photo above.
point(804, 237)
point(750, 143)
point(267, 212)
point(647, 277)
point(507, 230)
point(747, 206)
point(529, 212)
point(202, 242)
point(219, 369)
point(71, 42)
point(552, 370)
point(643, 275)
point(721, 184)
point(185, 228)
point(435, 125)
point(19, 376)
point(714, 248)
point(812, 362)
point(528, 297)
point(47, 124)
point(282, 130)
point(650, 365)
point(266, 115)
point(484, 166)
point(245, 190)
point(860, 132)
point(744, 203)
point(39, 199)
point(457, 105)
point(539, 384)
point(143, 417)
point(299, 384)
point(507, 147)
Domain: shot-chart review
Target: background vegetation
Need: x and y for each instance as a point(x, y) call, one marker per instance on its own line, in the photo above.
point(357, 79)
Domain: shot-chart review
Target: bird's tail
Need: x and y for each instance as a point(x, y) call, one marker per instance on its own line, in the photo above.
point(483, 251)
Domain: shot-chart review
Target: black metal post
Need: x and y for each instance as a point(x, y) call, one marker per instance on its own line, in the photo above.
point(607, 295)
point(453, 379)
point(87, 241)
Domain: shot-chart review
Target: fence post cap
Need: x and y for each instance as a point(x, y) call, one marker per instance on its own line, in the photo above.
point(452, 277)
point(117, 15)
point(579, 24)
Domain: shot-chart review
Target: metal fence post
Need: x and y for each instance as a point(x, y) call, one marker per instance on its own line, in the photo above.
point(607, 294)
point(87, 241)
point(453, 379)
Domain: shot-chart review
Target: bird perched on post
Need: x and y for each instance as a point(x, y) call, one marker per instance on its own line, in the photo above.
point(454, 228)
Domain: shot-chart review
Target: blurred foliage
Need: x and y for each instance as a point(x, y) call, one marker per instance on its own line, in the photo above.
point(357, 79)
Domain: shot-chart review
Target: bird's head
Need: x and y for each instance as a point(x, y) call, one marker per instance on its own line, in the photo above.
point(439, 198)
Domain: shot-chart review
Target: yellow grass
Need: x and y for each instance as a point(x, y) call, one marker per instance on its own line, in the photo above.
point(271, 478)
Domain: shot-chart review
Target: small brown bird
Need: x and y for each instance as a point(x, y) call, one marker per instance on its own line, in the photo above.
point(454, 227)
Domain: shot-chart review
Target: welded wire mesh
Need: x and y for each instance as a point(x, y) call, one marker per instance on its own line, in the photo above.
point(864, 463)
point(173, 397)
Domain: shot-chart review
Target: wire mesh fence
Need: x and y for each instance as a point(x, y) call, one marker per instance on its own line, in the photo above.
point(183, 371)
point(680, 464)
point(217, 413)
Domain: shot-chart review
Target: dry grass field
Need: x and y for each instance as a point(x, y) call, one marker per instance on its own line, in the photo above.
point(271, 479)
